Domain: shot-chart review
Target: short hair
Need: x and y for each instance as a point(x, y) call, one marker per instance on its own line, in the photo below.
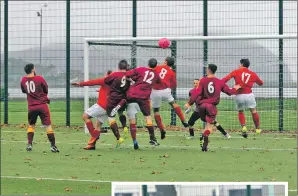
point(123, 65)
point(109, 72)
point(28, 68)
point(245, 62)
point(152, 63)
point(170, 61)
point(197, 79)
point(212, 68)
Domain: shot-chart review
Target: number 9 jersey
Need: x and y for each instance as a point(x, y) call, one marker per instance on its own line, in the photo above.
point(245, 78)
point(36, 89)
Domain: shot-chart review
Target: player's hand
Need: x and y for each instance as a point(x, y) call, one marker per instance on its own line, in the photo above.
point(186, 106)
point(77, 84)
point(237, 87)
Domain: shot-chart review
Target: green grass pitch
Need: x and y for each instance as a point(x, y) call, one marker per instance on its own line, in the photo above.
point(268, 157)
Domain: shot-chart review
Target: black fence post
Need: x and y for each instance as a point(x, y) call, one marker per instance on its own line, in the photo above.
point(174, 92)
point(134, 34)
point(68, 63)
point(205, 33)
point(281, 71)
point(5, 61)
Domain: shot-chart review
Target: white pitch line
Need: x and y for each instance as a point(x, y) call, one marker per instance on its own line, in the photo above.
point(292, 190)
point(167, 146)
point(54, 179)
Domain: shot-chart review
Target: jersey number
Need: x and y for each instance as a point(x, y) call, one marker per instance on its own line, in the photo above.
point(148, 77)
point(123, 81)
point(245, 77)
point(30, 86)
point(163, 73)
point(210, 87)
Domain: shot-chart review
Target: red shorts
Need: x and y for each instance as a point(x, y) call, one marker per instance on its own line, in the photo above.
point(39, 110)
point(207, 112)
point(144, 105)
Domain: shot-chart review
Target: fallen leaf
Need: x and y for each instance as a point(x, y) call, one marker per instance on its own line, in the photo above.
point(73, 177)
point(165, 156)
point(94, 187)
point(68, 189)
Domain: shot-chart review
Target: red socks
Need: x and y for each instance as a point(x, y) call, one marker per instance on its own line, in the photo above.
point(90, 126)
point(179, 113)
point(256, 119)
point(206, 133)
point(133, 131)
point(241, 118)
point(158, 121)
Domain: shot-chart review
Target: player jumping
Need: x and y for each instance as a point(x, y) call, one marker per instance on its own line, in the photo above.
point(207, 96)
point(138, 96)
point(118, 87)
point(36, 89)
point(245, 98)
point(162, 91)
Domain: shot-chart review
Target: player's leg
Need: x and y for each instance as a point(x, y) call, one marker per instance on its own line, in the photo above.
point(92, 112)
point(221, 129)
point(179, 112)
point(145, 109)
point(113, 123)
point(32, 118)
point(132, 110)
point(118, 106)
point(193, 118)
point(156, 102)
point(240, 103)
point(45, 117)
point(251, 104)
point(122, 119)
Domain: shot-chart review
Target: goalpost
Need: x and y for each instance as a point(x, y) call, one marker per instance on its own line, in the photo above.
point(270, 55)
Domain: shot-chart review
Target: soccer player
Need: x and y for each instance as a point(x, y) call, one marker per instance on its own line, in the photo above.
point(138, 95)
point(162, 91)
point(118, 86)
point(98, 110)
point(195, 116)
point(207, 96)
point(245, 98)
point(36, 89)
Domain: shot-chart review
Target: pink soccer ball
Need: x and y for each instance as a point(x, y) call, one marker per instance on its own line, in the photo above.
point(164, 43)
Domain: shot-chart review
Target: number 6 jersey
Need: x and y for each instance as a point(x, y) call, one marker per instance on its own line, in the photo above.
point(245, 78)
point(36, 89)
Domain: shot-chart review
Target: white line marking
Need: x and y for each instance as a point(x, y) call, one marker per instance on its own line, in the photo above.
point(54, 179)
point(292, 190)
point(164, 146)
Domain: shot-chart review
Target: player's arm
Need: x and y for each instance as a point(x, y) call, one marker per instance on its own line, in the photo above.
point(44, 85)
point(259, 81)
point(228, 77)
point(230, 91)
point(108, 80)
point(23, 89)
point(99, 81)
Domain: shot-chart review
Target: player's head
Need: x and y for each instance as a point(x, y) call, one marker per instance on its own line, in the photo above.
point(244, 63)
point(211, 69)
point(109, 72)
point(29, 69)
point(152, 63)
point(196, 83)
point(169, 61)
point(123, 65)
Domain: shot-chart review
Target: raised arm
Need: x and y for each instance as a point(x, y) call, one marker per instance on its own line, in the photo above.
point(228, 77)
point(99, 81)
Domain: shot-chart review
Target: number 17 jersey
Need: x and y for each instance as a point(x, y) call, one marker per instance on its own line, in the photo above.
point(245, 78)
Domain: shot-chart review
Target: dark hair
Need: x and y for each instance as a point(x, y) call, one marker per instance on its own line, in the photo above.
point(109, 72)
point(152, 63)
point(245, 62)
point(212, 68)
point(197, 79)
point(170, 61)
point(123, 65)
point(28, 68)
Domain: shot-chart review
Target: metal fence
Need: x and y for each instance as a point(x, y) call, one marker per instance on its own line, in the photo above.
point(50, 35)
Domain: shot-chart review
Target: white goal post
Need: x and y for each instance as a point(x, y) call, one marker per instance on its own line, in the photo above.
point(134, 41)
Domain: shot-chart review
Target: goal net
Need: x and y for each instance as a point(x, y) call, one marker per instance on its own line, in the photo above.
point(272, 57)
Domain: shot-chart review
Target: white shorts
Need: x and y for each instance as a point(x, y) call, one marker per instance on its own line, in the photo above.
point(96, 111)
point(157, 96)
point(132, 110)
point(244, 101)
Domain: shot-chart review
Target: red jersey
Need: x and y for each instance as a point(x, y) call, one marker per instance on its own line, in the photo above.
point(118, 85)
point(245, 78)
point(36, 89)
point(144, 78)
point(167, 77)
point(209, 91)
point(102, 93)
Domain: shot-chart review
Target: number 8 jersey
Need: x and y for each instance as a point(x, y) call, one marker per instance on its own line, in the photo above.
point(167, 77)
point(36, 89)
point(245, 78)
